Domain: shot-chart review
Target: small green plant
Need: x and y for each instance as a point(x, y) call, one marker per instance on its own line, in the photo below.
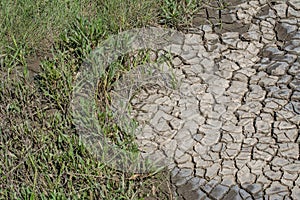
point(55, 80)
point(15, 54)
point(82, 36)
point(178, 13)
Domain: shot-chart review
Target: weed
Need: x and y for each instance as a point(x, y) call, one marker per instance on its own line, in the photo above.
point(82, 37)
point(176, 13)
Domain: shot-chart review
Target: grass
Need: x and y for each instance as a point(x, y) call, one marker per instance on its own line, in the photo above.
point(41, 156)
point(179, 13)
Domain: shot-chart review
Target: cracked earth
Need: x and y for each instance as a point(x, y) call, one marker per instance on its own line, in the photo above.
point(230, 130)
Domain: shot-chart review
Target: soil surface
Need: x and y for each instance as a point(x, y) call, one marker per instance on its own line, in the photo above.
point(231, 128)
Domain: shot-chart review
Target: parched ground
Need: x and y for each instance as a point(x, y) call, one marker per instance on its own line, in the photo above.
point(231, 128)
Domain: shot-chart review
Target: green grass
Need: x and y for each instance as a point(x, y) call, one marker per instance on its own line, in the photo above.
point(41, 156)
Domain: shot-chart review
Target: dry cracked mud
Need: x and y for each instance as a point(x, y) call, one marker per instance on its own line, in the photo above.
point(230, 128)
